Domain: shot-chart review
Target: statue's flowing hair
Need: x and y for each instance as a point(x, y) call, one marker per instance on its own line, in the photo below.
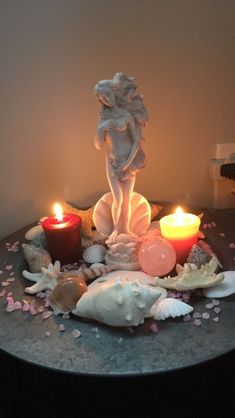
point(123, 88)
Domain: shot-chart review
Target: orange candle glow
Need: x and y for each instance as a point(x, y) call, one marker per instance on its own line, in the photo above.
point(181, 230)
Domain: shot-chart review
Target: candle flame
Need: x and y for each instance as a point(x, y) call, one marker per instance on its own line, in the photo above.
point(179, 215)
point(58, 212)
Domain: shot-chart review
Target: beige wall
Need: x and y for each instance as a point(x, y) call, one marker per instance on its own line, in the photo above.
point(54, 51)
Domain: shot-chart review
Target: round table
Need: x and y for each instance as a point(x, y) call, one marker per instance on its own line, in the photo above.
point(109, 351)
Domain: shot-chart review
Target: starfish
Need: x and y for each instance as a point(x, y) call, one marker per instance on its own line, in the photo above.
point(47, 279)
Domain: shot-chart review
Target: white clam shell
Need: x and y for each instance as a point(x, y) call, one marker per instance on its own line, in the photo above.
point(223, 289)
point(171, 307)
point(94, 253)
point(33, 232)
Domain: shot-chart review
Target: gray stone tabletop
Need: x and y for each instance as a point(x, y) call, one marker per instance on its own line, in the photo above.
point(106, 351)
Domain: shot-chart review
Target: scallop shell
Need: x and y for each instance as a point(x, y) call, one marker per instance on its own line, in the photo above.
point(223, 289)
point(118, 302)
point(94, 253)
point(36, 257)
point(140, 214)
point(66, 294)
point(190, 277)
point(171, 307)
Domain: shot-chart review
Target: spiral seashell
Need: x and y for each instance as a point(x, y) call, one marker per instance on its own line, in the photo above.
point(36, 257)
point(94, 253)
point(66, 294)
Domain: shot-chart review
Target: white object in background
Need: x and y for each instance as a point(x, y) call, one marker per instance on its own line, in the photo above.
point(223, 188)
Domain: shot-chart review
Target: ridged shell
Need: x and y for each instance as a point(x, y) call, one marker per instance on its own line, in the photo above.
point(171, 307)
point(94, 253)
point(120, 303)
point(66, 294)
point(36, 257)
point(140, 214)
point(223, 289)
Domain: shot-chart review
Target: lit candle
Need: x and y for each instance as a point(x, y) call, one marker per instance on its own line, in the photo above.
point(63, 236)
point(181, 230)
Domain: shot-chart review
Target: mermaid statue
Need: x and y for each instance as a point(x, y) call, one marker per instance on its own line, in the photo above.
point(122, 116)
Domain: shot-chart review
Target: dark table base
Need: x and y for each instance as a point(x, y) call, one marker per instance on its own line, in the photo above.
point(206, 390)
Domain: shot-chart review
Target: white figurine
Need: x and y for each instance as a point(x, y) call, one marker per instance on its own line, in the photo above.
point(122, 117)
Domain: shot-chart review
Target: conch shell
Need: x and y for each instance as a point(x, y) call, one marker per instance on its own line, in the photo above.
point(66, 293)
point(36, 257)
point(190, 277)
point(121, 303)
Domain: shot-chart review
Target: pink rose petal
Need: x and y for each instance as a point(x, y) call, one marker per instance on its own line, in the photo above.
point(205, 315)
point(1, 272)
point(197, 322)
point(10, 299)
point(25, 307)
point(187, 318)
point(2, 293)
point(5, 284)
point(18, 305)
point(61, 327)
point(10, 307)
point(222, 234)
point(47, 314)
point(41, 309)
point(11, 279)
point(217, 310)
point(76, 333)
point(231, 245)
point(154, 328)
point(8, 267)
point(32, 310)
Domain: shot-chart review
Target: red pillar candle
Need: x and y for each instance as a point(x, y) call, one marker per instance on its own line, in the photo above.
point(181, 230)
point(63, 236)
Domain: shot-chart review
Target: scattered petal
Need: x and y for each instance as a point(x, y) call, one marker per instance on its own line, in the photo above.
point(197, 322)
point(47, 314)
point(205, 315)
point(120, 340)
point(187, 318)
point(5, 284)
point(41, 309)
point(216, 302)
point(11, 279)
point(76, 333)
point(216, 319)
point(197, 315)
point(217, 310)
point(2, 293)
point(25, 307)
point(154, 327)
point(10, 307)
point(66, 316)
point(231, 245)
point(222, 234)
point(209, 306)
point(18, 305)
point(61, 327)
point(213, 223)
point(32, 310)
point(8, 267)
point(47, 333)
point(10, 299)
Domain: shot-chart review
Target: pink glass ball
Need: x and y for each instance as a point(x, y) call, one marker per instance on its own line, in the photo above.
point(157, 257)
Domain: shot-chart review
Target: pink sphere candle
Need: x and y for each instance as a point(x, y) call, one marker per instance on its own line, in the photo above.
point(157, 257)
